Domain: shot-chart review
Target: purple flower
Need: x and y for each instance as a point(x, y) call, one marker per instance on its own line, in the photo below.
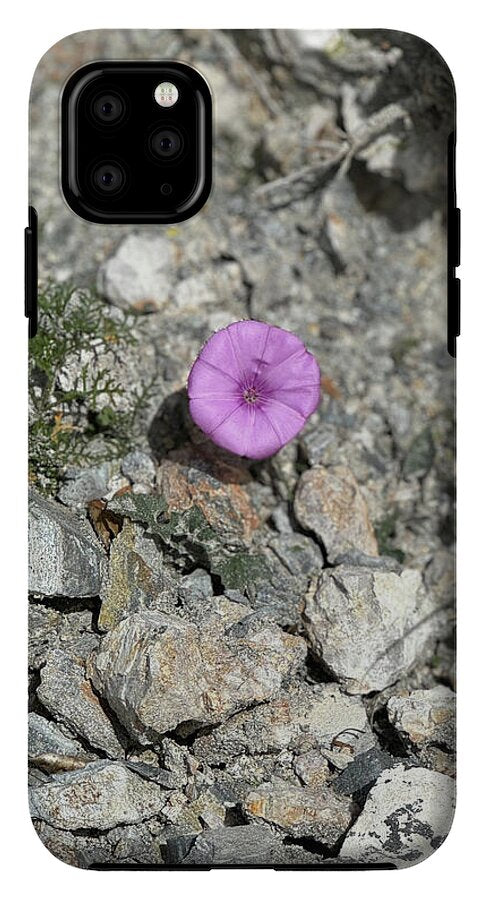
point(252, 388)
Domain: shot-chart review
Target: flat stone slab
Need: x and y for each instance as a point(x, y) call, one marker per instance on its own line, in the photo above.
point(102, 795)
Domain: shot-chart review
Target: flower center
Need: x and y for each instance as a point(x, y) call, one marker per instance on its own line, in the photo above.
point(251, 395)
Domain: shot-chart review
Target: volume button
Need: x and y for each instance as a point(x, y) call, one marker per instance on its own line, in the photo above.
point(30, 241)
point(457, 304)
point(453, 314)
point(28, 269)
point(457, 237)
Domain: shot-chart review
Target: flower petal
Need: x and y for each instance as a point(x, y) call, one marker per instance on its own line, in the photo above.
point(206, 378)
point(249, 340)
point(298, 369)
point(209, 414)
point(247, 432)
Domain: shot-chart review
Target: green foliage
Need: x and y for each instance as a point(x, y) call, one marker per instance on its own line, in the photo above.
point(385, 532)
point(420, 456)
point(241, 571)
point(189, 536)
point(66, 424)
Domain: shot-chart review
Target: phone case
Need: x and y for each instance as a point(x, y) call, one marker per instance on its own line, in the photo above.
point(241, 583)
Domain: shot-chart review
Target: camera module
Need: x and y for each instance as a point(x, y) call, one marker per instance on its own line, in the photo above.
point(166, 143)
point(108, 108)
point(108, 178)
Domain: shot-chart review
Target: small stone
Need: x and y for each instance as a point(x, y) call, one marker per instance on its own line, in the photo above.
point(300, 812)
point(80, 486)
point(369, 627)
point(362, 560)
point(312, 768)
point(328, 503)
point(101, 796)
point(281, 519)
point(298, 553)
point(65, 559)
point(138, 467)
point(420, 455)
point(241, 845)
point(271, 587)
point(160, 672)
point(198, 582)
point(47, 737)
point(67, 694)
point(363, 771)
point(425, 717)
point(140, 273)
point(407, 815)
point(205, 811)
point(135, 844)
point(300, 719)
point(217, 487)
point(320, 444)
point(50, 629)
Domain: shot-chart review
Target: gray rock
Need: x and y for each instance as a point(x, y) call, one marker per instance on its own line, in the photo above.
point(424, 717)
point(80, 486)
point(300, 812)
point(136, 579)
point(50, 629)
point(102, 795)
point(363, 771)
point(407, 815)
point(281, 519)
point(140, 272)
point(299, 719)
point(160, 672)
point(298, 553)
point(328, 502)
point(312, 768)
point(369, 627)
point(65, 559)
point(249, 845)
point(67, 694)
point(273, 590)
point(47, 737)
point(207, 810)
point(124, 844)
point(152, 773)
point(219, 285)
point(138, 467)
point(362, 560)
point(198, 582)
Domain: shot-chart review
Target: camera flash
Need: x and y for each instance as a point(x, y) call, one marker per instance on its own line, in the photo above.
point(166, 94)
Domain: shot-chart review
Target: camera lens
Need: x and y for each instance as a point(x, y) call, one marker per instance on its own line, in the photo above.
point(108, 108)
point(166, 143)
point(108, 178)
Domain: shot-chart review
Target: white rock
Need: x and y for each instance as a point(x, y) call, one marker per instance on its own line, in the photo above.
point(140, 271)
point(407, 815)
point(369, 627)
point(102, 795)
point(425, 716)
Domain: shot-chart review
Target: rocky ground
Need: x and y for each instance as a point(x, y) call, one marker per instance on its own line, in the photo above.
point(234, 662)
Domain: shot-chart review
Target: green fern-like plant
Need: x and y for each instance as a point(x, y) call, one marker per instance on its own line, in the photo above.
point(79, 425)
